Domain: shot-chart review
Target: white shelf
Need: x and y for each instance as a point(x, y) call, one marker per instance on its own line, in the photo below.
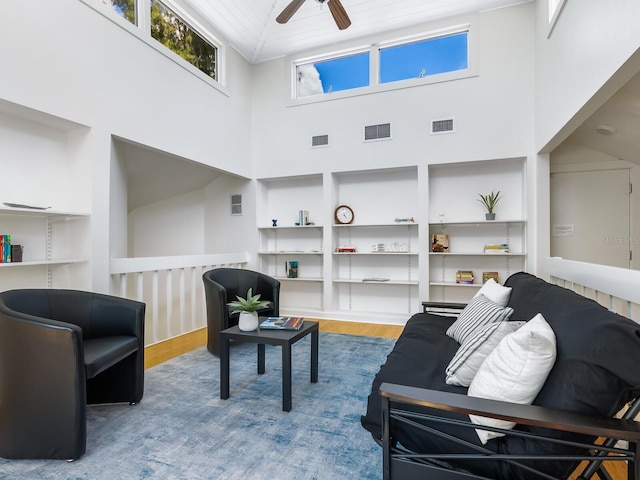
point(43, 262)
point(387, 282)
point(54, 214)
point(374, 253)
point(477, 223)
point(375, 225)
point(290, 252)
point(452, 284)
point(290, 227)
point(476, 254)
point(299, 279)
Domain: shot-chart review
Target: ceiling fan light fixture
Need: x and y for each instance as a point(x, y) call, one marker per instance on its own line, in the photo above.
point(605, 129)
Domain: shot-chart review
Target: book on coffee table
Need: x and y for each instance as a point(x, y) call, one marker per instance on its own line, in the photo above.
point(282, 323)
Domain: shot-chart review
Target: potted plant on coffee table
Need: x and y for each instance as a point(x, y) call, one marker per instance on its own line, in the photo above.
point(248, 309)
point(489, 201)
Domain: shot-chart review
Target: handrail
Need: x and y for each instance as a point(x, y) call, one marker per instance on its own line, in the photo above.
point(171, 287)
point(618, 283)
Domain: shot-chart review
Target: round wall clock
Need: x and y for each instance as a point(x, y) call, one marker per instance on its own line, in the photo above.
point(344, 215)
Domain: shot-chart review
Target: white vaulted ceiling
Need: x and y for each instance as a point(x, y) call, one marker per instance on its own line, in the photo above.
point(250, 25)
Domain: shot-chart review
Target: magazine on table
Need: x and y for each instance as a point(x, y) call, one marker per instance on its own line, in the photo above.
point(282, 323)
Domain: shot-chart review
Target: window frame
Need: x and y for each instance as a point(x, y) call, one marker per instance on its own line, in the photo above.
point(374, 48)
point(142, 31)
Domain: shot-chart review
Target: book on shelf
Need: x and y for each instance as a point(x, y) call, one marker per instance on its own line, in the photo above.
point(496, 248)
point(291, 268)
point(5, 248)
point(282, 323)
point(439, 243)
point(464, 276)
point(487, 275)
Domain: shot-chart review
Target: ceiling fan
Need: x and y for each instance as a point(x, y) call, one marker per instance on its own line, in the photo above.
point(337, 10)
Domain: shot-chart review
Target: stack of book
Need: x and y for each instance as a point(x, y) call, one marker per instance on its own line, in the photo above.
point(5, 248)
point(487, 275)
point(496, 248)
point(464, 276)
point(282, 323)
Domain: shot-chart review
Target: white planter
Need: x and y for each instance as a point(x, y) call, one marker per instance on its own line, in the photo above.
point(248, 321)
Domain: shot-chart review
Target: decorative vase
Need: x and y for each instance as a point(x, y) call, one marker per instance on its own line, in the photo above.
point(490, 216)
point(248, 321)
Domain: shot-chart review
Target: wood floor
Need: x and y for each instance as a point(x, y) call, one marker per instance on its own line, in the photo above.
point(163, 351)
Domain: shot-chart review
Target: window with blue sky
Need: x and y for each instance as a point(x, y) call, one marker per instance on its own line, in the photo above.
point(397, 62)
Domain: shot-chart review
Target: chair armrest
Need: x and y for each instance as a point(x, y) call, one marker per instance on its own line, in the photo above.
point(111, 315)
point(443, 308)
point(532, 415)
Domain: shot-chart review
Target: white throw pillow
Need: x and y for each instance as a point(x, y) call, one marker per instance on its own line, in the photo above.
point(465, 363)
point(495, 292)
point(515, 371)
point(479, 312)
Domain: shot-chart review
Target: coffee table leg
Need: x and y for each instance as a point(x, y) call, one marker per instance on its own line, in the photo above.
point(260, 358)
point(286, 378)
point(224, 368)
point(314, 356)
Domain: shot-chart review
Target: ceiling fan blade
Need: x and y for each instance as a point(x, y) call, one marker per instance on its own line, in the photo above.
point(288, 11)
point(339, 14)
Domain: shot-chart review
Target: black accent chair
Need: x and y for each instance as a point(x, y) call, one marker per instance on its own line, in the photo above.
point(59, 351)
point(222, 285)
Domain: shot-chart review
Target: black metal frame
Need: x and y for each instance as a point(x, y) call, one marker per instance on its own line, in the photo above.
point(400, 463)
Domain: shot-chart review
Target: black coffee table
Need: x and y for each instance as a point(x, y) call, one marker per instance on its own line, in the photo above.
point(283, 338)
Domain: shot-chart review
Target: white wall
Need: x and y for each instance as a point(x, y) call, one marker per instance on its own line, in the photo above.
point(73, 62)
point(493, 111)
point(592, 51)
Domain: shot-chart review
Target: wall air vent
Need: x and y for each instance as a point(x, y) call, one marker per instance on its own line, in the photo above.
point(236, 204)
point(376, 132)
point(320, 141)
point(442, 125)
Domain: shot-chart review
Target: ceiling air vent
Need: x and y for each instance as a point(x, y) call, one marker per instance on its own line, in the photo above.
point(376, 132)
point(443, 125)
point(320, 141)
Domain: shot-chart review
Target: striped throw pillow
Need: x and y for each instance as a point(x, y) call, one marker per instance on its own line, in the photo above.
point(466, 362)
point(479, 312)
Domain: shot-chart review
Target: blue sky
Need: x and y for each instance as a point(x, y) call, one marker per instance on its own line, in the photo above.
point(428, 57)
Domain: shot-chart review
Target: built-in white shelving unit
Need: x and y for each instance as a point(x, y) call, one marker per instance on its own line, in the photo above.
point(48, 150)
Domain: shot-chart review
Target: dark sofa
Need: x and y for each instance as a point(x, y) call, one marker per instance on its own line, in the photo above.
point(596, 372)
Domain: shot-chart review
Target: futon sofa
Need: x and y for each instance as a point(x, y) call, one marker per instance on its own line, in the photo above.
point(578, 371)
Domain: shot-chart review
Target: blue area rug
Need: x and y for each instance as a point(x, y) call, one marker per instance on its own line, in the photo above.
point(182, 430)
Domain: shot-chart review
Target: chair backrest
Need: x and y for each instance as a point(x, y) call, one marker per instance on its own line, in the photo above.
point(237, 282)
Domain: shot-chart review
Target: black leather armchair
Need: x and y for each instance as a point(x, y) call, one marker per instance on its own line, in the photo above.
point(59, 351)
point(222, 285)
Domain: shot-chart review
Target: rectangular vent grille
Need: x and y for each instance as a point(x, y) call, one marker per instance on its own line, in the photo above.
point(236, 204)
point(444, 125)
point(319, 140)
point(374, 132)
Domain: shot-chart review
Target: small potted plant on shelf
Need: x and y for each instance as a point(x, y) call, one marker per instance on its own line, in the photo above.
point(489, 201)
point(248, 309)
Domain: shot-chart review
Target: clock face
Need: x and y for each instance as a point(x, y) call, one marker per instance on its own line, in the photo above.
point(344, 214)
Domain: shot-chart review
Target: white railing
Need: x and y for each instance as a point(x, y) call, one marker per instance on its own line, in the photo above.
point(171, 287)
point(616, 288)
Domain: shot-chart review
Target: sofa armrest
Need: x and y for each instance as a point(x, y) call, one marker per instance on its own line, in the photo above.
point(395, 398)
point(443, 308)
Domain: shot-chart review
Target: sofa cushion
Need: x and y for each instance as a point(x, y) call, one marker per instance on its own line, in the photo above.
point(467, 360)
point(479, 312)
point(495, 292)
point(515, 371)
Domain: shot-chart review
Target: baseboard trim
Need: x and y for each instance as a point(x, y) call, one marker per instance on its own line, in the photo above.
point(173, 347)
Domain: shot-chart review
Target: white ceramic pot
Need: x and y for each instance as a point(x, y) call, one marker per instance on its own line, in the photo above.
point(248, 321)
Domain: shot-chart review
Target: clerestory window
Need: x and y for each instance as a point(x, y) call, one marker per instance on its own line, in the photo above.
point(397, 61)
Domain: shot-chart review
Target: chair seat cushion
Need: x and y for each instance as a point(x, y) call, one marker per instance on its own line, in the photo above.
point(102, 353)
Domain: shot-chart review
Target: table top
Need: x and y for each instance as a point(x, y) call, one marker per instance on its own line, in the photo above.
point(263, 335)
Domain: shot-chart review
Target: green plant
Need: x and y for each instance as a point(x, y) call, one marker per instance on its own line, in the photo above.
point(489, 200)
point(251, 303)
